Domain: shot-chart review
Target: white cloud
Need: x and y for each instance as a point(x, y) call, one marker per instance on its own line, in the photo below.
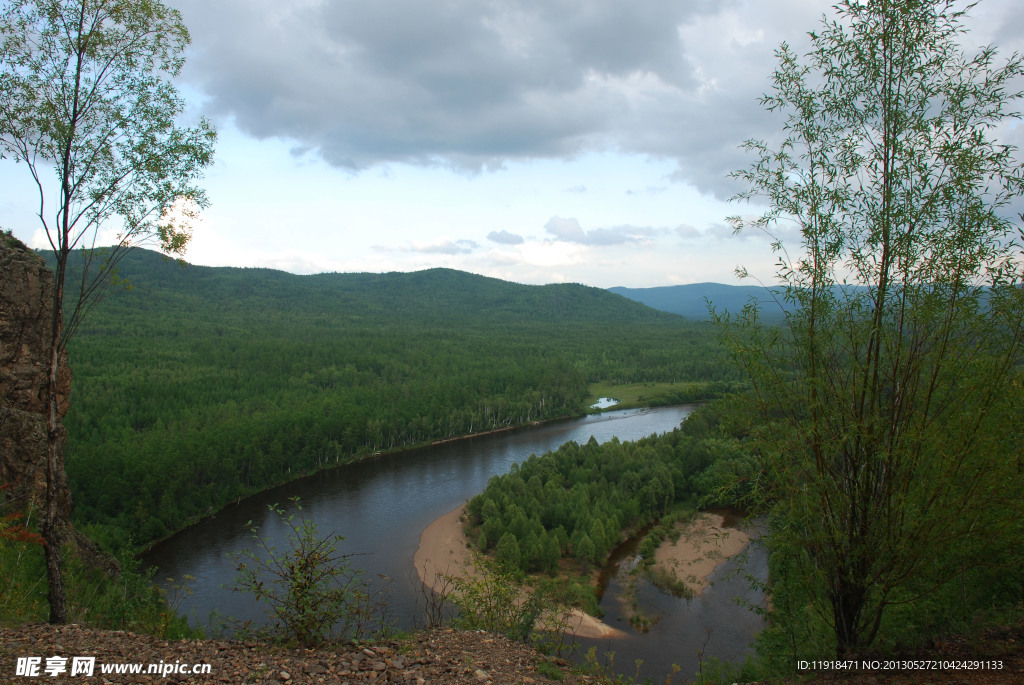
point(463, 84)
point(505, 238)
point(532, 140)
point(569, 230)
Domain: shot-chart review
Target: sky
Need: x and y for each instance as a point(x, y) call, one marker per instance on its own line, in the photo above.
point(535, 141)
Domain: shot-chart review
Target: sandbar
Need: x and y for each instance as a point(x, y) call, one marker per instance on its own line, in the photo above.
point(703, 544)
point(443, 551)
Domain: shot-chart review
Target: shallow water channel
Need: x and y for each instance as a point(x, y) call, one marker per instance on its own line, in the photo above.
point(718, 623)
point(382, 505)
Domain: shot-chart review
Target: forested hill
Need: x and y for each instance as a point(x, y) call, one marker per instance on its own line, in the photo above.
point(692, 300)
point(434, 296)
point(199, 385)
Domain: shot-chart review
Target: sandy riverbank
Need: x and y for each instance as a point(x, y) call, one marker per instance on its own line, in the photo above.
point(443, 551)
point(700, 548)
point(703, 544)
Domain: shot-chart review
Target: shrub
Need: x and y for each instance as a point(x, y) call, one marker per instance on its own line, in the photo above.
point(491, 599)
point(313, 591)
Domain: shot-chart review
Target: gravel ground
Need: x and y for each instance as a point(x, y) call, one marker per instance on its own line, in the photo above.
point(439, 656)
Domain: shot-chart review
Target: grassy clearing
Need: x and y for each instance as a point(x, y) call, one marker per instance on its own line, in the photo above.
point(632, 395)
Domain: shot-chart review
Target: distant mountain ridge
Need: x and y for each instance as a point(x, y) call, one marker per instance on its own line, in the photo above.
point(692, 301)
point(437, 295)
point(433, 295)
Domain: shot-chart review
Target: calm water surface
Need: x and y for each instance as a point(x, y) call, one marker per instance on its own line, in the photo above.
point(381, 506)
point(719, 622)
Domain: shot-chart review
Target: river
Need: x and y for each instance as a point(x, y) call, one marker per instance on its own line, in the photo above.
point(382, 505)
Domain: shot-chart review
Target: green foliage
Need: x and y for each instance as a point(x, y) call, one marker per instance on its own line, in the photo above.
point(569, 499)
point(88, 105)
point(490, 599)
point(606, 671)
point(652, 394)
point(883, 405)
point(202, 385)
point(693, 300)
point(127, 600)
point(312, 591)
point(507, 552)
point(549, 670)
point(580, 500)
point(586, 552)
point(90, 108)
point(13, 526)
point(22, 588)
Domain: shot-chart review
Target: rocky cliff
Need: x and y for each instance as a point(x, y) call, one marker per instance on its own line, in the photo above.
point(26, 306)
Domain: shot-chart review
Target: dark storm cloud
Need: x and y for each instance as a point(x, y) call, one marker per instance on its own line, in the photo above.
point(470, 85)
point(461, 83)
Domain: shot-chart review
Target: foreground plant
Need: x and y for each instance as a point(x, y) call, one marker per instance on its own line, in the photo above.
point(312, 590)
point(885, 400)
point(488, 598)
point(88, 106)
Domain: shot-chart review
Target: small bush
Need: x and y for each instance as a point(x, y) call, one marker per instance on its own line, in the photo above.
point(491, 599)
point(313, 592)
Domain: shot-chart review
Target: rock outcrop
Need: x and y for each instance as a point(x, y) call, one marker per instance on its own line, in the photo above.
point(26, 306)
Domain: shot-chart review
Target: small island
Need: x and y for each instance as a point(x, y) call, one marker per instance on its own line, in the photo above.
point(691, 557)
point(559, 516)
point(694, 549)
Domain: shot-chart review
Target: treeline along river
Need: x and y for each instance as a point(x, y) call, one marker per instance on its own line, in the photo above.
point(382, 505)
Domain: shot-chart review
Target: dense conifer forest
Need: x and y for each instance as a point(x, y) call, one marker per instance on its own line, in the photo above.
point(196, 386)
point(577, 501)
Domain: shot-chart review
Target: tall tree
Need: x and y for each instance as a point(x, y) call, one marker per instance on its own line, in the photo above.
point(880, 399)
point(88, 106)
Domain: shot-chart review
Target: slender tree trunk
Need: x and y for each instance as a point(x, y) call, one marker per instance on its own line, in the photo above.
point(849, 596)
point(54, 527)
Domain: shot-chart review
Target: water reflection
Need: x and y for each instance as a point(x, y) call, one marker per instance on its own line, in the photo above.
point(718, 622)
point(382, 506)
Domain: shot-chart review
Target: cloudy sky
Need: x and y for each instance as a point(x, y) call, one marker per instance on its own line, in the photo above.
point(535, 141)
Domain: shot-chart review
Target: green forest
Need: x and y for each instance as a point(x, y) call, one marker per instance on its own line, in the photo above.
point(562, 513)
point(580, 501)
point(864, 410)
point(196, 386)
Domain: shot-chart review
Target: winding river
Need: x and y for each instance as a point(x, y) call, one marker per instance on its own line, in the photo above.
point(382, 505)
